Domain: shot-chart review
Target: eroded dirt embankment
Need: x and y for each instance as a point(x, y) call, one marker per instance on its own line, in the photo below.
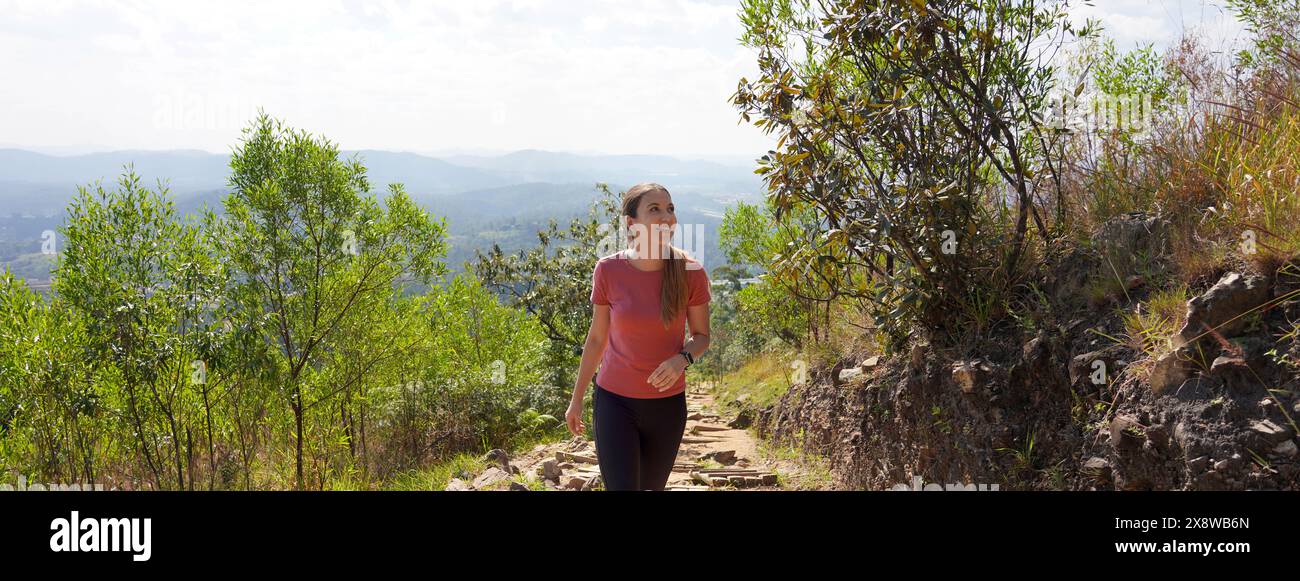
point(1068, 406)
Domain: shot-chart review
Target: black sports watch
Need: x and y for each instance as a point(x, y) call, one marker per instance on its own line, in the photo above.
point(687, 354)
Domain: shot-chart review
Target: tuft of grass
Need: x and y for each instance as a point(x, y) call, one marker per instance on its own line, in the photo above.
point(813, 469)
point(1152, 324)
point(709, 464)
point(1101, 292)
point(533, 484)
point(436, 477)
point(1023, 457)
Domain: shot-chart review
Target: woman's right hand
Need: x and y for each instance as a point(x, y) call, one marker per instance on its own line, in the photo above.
point(573, 417)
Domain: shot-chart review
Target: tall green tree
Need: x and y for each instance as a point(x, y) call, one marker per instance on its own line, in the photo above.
point(54, 422)
point(309, 247)
point(144, 282)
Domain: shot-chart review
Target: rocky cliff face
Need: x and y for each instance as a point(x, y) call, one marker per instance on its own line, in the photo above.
point(1067, 408)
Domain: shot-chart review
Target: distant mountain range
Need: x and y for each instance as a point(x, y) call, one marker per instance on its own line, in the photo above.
point(486, 199)
point(30, 182)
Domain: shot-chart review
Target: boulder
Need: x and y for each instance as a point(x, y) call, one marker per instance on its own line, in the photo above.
point(1230, 463)
point(1235, 373)
point(499, 457)
point(490, 476)
point(849, 374)
point(1170, 371)
point(1221, 307)
point(551, 470)
point(724, 457)
point(744, 419)
point(1269, 432)
point(1126, 431)
point(973, 374)
point(1098, 468)
point(1134, 234)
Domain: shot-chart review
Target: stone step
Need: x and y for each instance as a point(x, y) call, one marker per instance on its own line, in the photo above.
point(739, 480)
point(570, 457)
point(700, 440)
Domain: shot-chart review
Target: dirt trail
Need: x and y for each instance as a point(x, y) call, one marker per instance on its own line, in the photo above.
point(713, 456)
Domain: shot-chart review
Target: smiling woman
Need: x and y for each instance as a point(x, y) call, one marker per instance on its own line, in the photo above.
point(642, 298)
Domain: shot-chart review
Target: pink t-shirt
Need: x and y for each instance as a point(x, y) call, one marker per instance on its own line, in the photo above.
point(638, 341)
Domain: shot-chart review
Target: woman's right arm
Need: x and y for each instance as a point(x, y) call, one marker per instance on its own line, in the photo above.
point(592, 350)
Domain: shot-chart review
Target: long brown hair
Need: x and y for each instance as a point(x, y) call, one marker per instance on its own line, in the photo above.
point(672, 295)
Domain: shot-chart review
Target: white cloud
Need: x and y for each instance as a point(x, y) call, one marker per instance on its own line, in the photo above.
point(1162, 22)
point(492, 74)
point(611, 75)
point(592, 23)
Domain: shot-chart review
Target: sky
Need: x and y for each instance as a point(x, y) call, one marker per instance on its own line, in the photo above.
point(479, 76)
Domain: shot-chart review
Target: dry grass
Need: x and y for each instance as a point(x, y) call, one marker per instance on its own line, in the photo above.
point(1152, 324)
point(1223, 168)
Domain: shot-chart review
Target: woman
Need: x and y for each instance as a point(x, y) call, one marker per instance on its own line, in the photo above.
point(642, 299)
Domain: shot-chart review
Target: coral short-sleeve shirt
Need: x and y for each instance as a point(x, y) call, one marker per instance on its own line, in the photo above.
point(638, 340)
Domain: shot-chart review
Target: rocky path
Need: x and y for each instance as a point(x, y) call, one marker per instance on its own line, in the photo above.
point(713, 456)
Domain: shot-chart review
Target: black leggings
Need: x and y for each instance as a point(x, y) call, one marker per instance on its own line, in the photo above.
point(637, 439)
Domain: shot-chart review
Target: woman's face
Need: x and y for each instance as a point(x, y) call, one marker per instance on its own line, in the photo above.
point(656, 216)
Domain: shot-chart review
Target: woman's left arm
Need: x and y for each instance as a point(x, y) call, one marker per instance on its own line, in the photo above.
point(697, 320)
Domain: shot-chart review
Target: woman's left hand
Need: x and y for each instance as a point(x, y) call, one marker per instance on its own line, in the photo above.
point(666, 375)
